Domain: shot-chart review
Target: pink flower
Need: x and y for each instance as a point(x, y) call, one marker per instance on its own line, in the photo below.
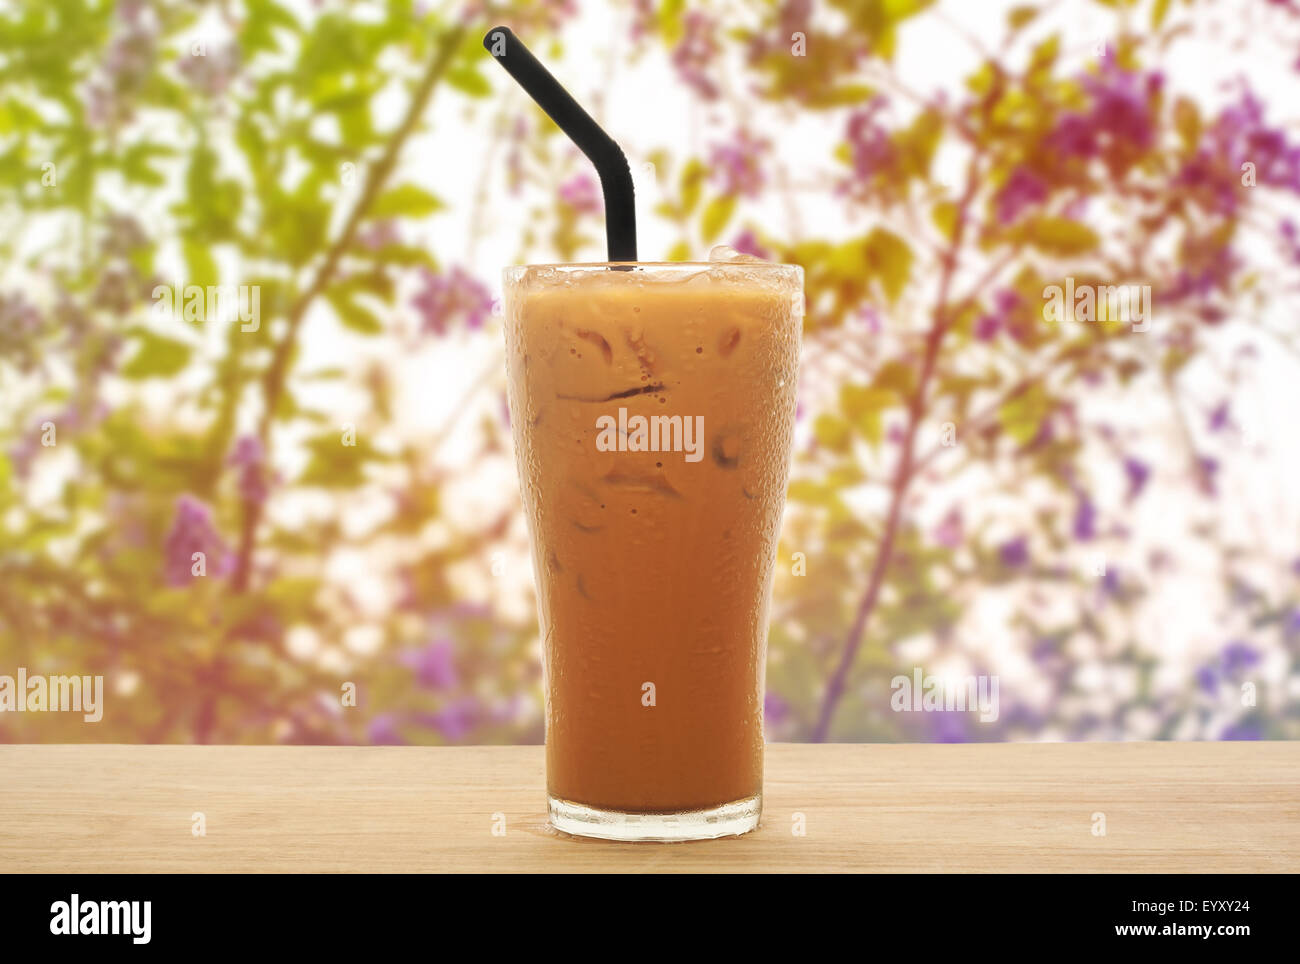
point(379, 234)
point(448, 298)
point(250, 459)
point(1121, 107)
point(747, 243)
point(735, 165)
point(1237, 137)
point(871, 149)
point(697, 53)
point(951, 531)
point(1119, 122)
point(1023, 189)
point(456, 720)
point(581, 193)
point(435, 665)
point(193, 531)
point(987, 327)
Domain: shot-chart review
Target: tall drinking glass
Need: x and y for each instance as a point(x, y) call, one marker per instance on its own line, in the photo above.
point(652, 408)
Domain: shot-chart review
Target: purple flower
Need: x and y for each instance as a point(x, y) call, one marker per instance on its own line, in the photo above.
point(696, 54)
point(1006, 301)
point(775, 709)
point(1110, 583)
point(1237, 656)
point(1138, 473)
point(1121, 103)
point(1207, 679)
point(1118, 123)
point(193, 531)
point(747, 243)
point(379, 234)
point(871, 149)
point(434, 665)
point(1239, 136)
point(735, 165)
point(1045, 650)
point(1014, 553)
point(581, 193)
point(212, 71)
point(1207, 468)
point(987, 327)
point(951, 531)
point(1219, 417)
point(1247, 730)
point(455, 721)
point(447, 298)
point(870, 314)
point(1073, 136)
point(946, 727)
point(1291, 628)
point(383, 731)
point(250, 458)
point(1085, 519)
point(1023, 189)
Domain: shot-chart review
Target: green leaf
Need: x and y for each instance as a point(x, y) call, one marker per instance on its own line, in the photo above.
point(670, 18)
point(156, 356)
point(681, 251)
point(809, 492)
point(1017, 17)
point(864, 408)
point(199, 262)
point(403, 255)
point(898, 377)
point(692, 183)
point(351, 314)
point(890, 260)
point(1187, 121)
point(1022, 416)
point(944, 215)
point(136, 165)
point(833, 432)
point(469, 81)
point(1060, 236)
point(846, 95)
point(1045, 53)
point(716, 215)
point(333, 465)
point(405, 200)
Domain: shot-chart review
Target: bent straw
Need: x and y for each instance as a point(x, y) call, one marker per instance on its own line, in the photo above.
point(608, 158)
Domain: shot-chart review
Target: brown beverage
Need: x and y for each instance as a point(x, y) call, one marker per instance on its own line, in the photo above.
point(652, 410)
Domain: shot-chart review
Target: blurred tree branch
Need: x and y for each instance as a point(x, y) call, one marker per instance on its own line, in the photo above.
point(273, 381)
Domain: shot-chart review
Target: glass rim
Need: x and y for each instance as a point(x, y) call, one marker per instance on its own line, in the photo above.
point(653, 264)
point(773, 270)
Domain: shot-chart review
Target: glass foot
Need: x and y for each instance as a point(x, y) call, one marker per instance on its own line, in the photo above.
point(728, 820)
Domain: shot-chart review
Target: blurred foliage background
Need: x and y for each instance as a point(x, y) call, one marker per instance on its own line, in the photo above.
point(241, 519)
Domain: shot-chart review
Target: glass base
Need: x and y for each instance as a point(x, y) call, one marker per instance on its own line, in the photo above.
point(728, 820)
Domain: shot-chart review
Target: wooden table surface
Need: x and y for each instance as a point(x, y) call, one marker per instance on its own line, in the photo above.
point(1168, 807)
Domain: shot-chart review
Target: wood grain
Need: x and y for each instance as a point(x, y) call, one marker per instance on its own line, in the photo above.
point(1169, 807)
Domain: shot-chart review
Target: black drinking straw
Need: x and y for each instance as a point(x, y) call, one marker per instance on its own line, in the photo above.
point(608, 157)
